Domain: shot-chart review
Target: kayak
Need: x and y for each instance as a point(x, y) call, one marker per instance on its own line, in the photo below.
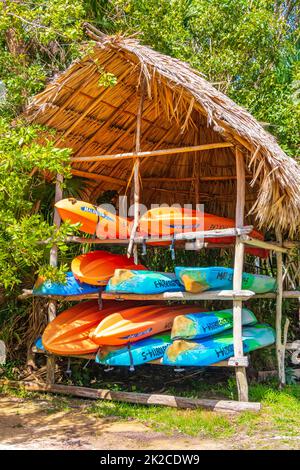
point(134, 354)
point(217, 278)
point(216, 348)
point(137, 323)
point(68, 334)
point(200, 325)
point(131, 281)
point(93, 219)
point(97, 267)
point(169, 221)
point(157, 222)
point(70, 288)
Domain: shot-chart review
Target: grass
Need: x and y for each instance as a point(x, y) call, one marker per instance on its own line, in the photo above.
point(280, 414)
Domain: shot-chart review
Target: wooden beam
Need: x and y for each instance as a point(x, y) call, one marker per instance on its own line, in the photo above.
point(217, 233)
point(190, 178)
point(53, 262)
point(241, 376)
point(100, 177)
point(136, 175)
point(211, 295)
point(280, 351)
point(152, 153)
point(139, 398)
point(262, 244)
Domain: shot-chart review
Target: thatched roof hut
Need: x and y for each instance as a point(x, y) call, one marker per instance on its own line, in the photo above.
point(181, 109)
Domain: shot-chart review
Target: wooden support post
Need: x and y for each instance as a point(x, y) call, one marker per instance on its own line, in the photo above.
point(280, 347)
point(53, 262)
point(136, 176)
point(241, 376)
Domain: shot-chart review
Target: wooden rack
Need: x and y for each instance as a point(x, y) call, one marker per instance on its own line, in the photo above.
point(242, 239)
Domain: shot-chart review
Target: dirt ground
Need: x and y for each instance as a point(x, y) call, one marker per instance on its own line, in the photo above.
point(27, 424)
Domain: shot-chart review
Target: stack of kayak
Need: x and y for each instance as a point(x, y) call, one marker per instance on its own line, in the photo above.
point(131, 333)
point(127, 334)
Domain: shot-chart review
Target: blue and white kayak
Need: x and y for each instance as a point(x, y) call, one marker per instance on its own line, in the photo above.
point(70, 288)
point(200, 325)
point(218, 278)
point(207, 351)
point(143, 282)
point(136, 353)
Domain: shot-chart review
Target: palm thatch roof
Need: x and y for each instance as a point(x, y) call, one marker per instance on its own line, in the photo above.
point(180, 109)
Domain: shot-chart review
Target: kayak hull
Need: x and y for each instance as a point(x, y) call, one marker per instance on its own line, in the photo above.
point(137, 323)
point(93, 220)
point(217, 278)
point(143, 282)
point(68, 334)
point(216, 348)
point(139, 353)
point(201, 325)
point(97, 267)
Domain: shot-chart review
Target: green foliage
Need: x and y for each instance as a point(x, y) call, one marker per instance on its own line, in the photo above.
point(22, 163)
point(248, 49)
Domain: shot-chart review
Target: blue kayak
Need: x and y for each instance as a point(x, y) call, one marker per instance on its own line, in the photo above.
point(71, 287)
point(200, 325)
point(143, 282)
point(207, 351)
point(218, 278)
point(140, 352)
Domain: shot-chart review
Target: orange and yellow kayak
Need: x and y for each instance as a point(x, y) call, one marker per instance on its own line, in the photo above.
point(68, 334)
point(137, 323)
point(97, 267)
point(91, 217)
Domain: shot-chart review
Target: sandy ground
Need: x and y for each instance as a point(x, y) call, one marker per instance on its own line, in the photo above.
point(26, 424)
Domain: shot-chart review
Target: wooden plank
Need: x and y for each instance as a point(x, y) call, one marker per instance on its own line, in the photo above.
point(262, 244)
point(218, 233)
point(241, 376)
point(178, 296)
point(152, 153)
point(210, 295)
point(139, 398)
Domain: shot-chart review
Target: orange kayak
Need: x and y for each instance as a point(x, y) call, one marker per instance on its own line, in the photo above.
point(97, 267)
point(163, 221)
point(138, 323)
point(68, 334)
point(158, 222)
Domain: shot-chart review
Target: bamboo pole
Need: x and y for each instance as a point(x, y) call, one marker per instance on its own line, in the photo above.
point(136, 175)
point(241, 376)
point(53, 262)
point(152, 153)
